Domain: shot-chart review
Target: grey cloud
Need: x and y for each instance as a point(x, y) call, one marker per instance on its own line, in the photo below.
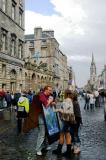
point(94, 39)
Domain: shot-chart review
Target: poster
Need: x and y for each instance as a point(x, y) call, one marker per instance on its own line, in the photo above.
point(51, 123)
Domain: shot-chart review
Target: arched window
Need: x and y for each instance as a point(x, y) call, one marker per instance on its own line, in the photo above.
point(20, 73)
point(13, 74)
point(33, 76)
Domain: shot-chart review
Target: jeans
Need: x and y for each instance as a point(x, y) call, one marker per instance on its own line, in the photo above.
point(41, 139)
point(19, 125)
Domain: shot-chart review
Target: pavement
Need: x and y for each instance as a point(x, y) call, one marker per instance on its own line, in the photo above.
point(7, 121)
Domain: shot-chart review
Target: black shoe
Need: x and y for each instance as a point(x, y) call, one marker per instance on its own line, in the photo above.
point(68, 151)
point(56, 151)
point(44, 150)
point(67, 154)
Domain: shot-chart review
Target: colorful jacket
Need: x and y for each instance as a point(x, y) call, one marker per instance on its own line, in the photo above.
point(23, 101)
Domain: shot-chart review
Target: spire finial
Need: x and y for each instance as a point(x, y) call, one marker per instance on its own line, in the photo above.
point(92, 58)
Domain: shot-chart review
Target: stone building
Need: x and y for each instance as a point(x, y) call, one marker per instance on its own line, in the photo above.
point(93, 77)
point(101, 79)
point(42, 49)
point(12, 75)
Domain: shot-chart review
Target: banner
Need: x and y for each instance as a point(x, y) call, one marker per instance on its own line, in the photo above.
point(51, 123)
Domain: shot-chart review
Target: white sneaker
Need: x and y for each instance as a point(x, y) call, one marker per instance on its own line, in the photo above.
point(39, 153)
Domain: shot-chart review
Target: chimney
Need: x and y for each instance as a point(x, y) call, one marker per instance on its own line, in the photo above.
point(37, 33)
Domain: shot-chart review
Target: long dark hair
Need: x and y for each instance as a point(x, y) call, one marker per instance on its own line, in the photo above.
point(68, 94)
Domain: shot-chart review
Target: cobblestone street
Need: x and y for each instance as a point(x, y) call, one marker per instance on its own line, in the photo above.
point(93, 141)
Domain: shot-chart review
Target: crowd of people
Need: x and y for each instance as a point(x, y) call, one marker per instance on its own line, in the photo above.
point(8, 99)
point(93, 100)
point(29, 114)
point(29, 107)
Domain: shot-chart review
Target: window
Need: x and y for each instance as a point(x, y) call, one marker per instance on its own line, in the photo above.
point(3, 70)
point(13, 45)
point(21, 2)
point(20, 17)
point(4, 86)
point(20, 73)
point(4, 40)
point(13, 11)
point(20, 49)
point(13, 74)
point(4, 5)
point(31, 44)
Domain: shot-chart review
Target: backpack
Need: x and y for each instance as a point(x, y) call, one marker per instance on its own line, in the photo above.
point(21, 107)
point(68, 111)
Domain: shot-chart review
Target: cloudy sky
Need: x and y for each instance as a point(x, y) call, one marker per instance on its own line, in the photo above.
point(79, 27)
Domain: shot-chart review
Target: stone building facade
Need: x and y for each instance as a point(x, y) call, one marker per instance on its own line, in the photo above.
point(42, 50)
point(101, 80)
point(12, 74)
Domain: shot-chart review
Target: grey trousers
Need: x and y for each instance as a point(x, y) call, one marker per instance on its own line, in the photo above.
point(41, 139)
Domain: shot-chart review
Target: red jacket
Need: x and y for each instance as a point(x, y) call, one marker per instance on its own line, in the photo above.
point(32, 120)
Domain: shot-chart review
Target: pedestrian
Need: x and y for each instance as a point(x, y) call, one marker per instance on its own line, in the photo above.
point(22, 112)
point(43, 98)
point(3, 102)
point(92, 101)
point(96, 95)
point(8, 99)
point(61, 95)
point(67, 118)
point(87, 99)
point(30, 97)
point(76, 127)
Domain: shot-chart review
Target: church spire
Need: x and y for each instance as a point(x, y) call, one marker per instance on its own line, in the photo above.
point(93, 62)
point(92, 70)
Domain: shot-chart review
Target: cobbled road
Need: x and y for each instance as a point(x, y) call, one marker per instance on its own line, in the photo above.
point(92, 134)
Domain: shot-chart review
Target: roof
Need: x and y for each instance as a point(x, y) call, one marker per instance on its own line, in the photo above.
point(29, 37)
